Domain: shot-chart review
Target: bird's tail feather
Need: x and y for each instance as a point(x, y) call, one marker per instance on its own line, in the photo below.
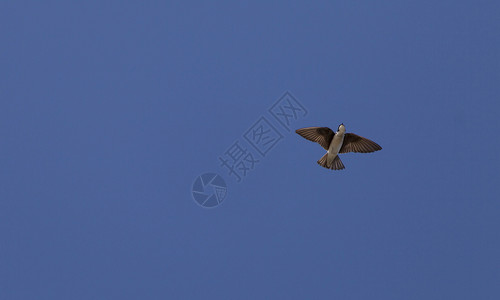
point(336, 164)
point(322, 161)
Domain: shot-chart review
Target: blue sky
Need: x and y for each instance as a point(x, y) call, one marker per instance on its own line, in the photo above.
point(110, 110)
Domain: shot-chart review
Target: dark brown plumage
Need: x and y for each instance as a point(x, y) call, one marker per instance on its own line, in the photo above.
point(320, 135)
point(356, 143)
point(350, 143)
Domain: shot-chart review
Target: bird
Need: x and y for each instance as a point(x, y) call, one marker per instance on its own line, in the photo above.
point(336, 143)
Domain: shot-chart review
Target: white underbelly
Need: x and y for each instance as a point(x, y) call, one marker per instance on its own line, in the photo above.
point(334, 148)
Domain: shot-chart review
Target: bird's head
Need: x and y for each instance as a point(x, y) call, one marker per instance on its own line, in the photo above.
point(341, 128)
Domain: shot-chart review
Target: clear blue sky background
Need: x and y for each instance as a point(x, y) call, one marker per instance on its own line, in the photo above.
point(110, 110)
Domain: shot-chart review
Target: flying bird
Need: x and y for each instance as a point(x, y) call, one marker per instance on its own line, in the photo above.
point(337, 142)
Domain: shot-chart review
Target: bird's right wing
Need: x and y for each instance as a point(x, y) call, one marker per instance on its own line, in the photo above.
point(320, 135)
point(356, 143)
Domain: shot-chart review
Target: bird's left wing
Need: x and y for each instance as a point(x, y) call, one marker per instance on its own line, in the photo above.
point(356, 143)
point(320, 135)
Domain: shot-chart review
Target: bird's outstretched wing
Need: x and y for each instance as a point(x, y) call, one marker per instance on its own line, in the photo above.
point(320, 135)
point(356, 143)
